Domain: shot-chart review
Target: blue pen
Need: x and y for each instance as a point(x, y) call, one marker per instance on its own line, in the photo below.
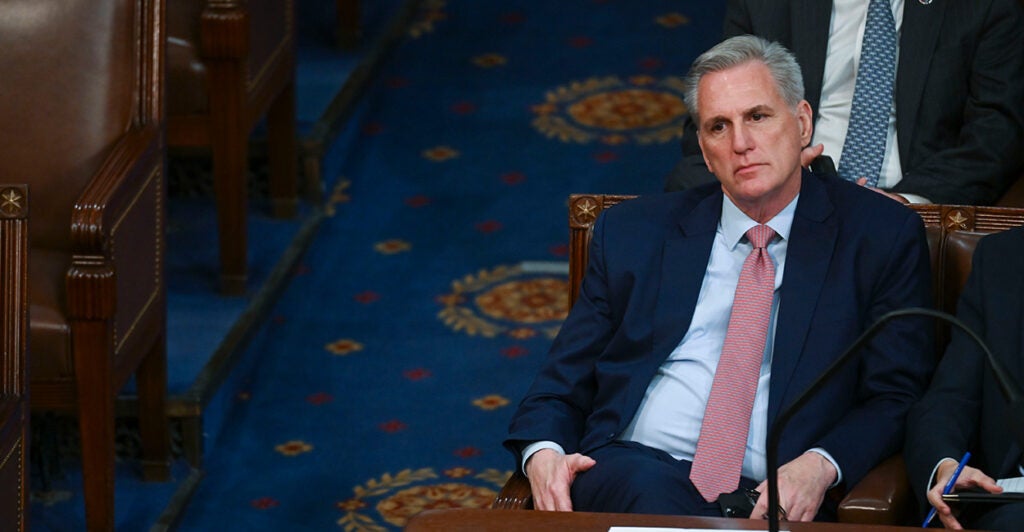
point(949, 486)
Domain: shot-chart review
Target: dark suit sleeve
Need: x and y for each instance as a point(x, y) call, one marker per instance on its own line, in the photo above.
point(973, 156)
point(560, 398)
point(944, 423)
point(893, 370)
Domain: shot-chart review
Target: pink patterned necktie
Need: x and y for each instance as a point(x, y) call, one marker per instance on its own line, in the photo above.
point(718, 461)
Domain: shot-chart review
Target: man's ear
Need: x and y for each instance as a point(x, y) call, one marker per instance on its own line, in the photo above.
point(804, 117)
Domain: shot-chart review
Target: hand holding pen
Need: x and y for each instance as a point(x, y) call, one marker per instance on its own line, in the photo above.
point(963, 476)
point(946, 489)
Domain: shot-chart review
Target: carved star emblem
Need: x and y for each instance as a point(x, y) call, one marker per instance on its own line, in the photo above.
point(10, 202)
point(957, 219)
point(586, 209)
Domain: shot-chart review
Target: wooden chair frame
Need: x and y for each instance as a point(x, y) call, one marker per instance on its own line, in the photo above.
point(237, 100)
point(14, 408)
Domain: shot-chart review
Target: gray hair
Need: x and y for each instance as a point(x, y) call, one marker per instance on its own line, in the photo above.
point(738, 50)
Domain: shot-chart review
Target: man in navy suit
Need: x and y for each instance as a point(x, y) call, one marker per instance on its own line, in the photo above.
point(957, 124)
point(963, 409)
point(612, 420)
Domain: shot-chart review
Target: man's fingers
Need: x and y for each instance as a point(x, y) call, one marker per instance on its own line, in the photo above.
point(551, 475)
point(578, 463)
point(950, 522)
point(808, 154)
point(542, 502)
point(563, 503)
point(972, 477)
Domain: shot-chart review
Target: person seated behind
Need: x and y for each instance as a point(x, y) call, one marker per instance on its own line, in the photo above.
point(963, 409)
point(616, 419)
point(955, 129)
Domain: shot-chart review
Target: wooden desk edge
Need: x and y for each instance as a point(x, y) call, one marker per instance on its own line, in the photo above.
point(529, 520)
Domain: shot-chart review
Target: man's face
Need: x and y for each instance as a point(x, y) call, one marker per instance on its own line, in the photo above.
point(751, 138)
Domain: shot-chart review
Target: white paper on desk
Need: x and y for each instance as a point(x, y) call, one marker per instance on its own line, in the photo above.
point(1015, 484)
point(663, 529)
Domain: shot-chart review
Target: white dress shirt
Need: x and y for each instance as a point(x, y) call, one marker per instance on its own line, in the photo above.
point(671, 413)
point(846, 31)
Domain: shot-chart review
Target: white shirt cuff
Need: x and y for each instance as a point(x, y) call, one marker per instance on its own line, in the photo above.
point(824, 453)
point(915, 199)
point(537, 446)
point(931, 479)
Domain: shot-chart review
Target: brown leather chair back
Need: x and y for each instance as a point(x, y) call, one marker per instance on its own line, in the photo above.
point(66, 96)
point(81, 103)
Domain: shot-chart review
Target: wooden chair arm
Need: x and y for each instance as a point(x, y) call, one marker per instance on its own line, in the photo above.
point(515, 494)
point(117, 227)
point(114, 188)
point(882, 497)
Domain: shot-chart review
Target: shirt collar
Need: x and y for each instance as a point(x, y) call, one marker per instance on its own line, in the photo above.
point(735, 224)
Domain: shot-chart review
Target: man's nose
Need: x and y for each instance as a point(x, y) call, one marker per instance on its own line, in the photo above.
point(742, 141)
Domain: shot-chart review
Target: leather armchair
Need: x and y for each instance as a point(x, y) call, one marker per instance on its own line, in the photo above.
point(883, 496)
point(14, 411)
point(82, 108)
point(231, 63)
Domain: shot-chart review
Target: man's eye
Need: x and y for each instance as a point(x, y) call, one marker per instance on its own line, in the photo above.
point(717, 127)
point(757, 117)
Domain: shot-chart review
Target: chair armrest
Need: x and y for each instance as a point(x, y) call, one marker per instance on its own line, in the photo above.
point(882, 497)
point(117, 225)
point(113, 188)
point(515, 494)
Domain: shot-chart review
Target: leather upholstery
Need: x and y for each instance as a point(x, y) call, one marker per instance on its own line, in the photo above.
point(82, 106)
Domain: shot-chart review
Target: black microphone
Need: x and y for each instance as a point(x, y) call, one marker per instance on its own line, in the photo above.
point(1010, 390)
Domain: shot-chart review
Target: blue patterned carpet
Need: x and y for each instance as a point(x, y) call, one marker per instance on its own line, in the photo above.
point(384, 378)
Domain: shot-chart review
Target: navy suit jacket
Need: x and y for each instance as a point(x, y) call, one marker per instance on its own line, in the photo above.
point(853, 255)
point(959, 88)
point(963, 409)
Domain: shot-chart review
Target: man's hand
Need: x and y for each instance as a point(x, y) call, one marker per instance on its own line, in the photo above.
point(891, 195)
point(551, 473)
point(969, 478)
point(802, 486)
point(810, 153)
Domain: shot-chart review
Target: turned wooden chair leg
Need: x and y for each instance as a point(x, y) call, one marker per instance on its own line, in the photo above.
point(151, 381)
point(281, 150)
point(229, 139)
point(93, 370)
point(229, 176)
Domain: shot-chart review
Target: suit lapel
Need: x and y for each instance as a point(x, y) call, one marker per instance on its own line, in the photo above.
point(919, 36)
point(683, 262)
point(812, 241)
point(810, 47)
